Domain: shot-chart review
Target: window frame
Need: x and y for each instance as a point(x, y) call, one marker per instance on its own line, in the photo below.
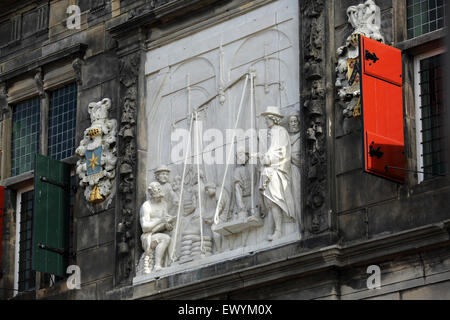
point(50, 96)
point(39, 132)
point(24, 182)
point(17, 242)
point(444, 18)
point(418, 102)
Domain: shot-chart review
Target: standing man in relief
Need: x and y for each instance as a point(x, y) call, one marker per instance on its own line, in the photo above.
point(294, 131)
point(275, 183)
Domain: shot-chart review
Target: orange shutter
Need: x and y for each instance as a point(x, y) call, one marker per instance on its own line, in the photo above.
point(2, 210)
point(382, 110)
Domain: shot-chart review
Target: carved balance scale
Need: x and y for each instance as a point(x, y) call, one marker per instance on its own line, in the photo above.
point(194, 244)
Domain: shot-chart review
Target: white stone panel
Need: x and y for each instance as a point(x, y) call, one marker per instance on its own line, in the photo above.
point(205, 72)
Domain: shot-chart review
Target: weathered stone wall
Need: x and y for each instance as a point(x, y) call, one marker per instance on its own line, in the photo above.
point(368, 206)
point(96, 74)
point(398, 227)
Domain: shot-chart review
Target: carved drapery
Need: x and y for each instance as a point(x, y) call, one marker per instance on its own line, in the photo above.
point(129, 68)
point(313, 17)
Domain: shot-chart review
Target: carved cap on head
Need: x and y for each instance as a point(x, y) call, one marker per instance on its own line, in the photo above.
point(273, 111)
point(162, 169)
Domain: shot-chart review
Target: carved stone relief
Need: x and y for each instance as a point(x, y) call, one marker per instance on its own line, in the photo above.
point(39, 81)
point(96, 167)
point(129, 68)
point(313, 17)
point(236, 77)
point(365, 18)
point(4, 107)
point(77, 64)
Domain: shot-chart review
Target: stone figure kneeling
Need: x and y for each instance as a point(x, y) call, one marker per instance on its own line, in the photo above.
point(156, 224)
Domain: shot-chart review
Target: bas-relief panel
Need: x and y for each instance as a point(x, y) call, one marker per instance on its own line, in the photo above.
point(244, 74)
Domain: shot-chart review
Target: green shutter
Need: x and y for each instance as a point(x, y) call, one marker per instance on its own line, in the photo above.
point(51, 215)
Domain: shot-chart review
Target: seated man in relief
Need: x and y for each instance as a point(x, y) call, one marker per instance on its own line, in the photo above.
point(156, 225)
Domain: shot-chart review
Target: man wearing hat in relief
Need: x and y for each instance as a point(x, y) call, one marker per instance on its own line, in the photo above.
point(162, 176)
point(275, 183)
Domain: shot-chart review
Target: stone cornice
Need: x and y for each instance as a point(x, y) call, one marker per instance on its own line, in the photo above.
point(77, 50)
point(288, 261)
point(121, 26)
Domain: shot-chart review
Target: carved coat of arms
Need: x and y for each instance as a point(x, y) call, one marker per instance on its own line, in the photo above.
point(98, 154)
point(365, 18)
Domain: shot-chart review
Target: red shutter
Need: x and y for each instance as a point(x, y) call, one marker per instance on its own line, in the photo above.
point(382, 110)
point(2, 210)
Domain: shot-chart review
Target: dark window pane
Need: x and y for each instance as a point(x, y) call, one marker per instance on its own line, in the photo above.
point(432, 112)
point(26, 126)
point(61, 134)
point(26, 275)
point(424, 16)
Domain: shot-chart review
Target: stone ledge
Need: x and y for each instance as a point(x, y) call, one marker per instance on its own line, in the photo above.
point(16, 182)
point(420, 44)
point(75, 50)
point(289, 261)
point(123, 24)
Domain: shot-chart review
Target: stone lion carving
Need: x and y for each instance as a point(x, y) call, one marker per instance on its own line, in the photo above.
point(98, 154)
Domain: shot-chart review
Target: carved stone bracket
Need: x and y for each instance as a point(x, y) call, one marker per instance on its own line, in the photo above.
point(4, 107)
point(313, 94)
point(129, 69)
point(77, 64)
point(39, 80)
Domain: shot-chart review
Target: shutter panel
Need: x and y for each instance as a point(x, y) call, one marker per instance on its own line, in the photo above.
point(51, 215)
point(382, 110)
point(2, 212)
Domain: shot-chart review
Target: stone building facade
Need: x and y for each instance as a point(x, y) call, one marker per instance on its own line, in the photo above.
point(135, 72)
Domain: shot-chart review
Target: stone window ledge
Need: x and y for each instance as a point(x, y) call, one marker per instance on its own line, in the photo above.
point(18, 181)
point(26, 178)
point(423, 43)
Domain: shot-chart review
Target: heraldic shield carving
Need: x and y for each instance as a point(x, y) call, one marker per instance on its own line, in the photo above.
point(98, 156)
